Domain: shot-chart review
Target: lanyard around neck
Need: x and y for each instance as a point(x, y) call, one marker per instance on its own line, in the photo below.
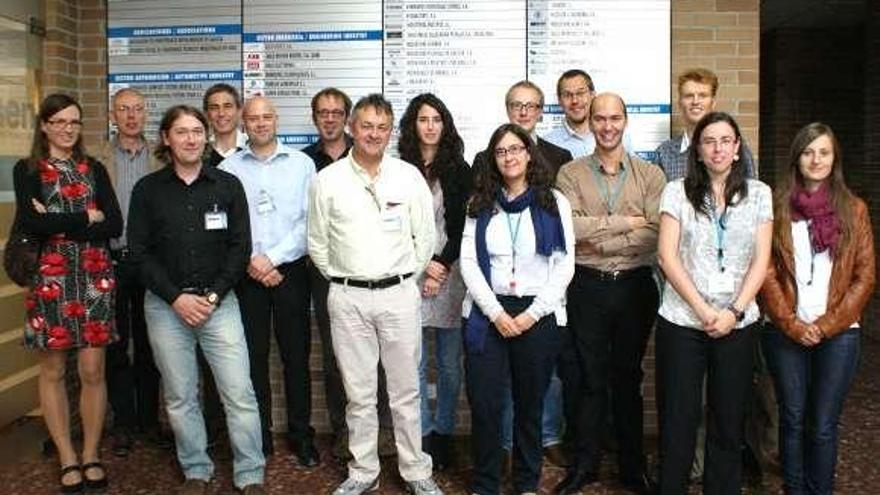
point(720, 224)
point(514, 234)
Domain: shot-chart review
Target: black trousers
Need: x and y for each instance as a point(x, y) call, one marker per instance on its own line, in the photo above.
point(334, 391)
point(284, 309)
point(525, 364)
point(685, 356)
point(132, 387)
point(611, 322)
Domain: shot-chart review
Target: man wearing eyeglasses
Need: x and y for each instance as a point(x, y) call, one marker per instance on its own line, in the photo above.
point(612, 299)
point(524, 102)
point(274, 296)
point(132, 387)
point(574, 91)
point(330, 110)
point(222, 106)
point(371, 233)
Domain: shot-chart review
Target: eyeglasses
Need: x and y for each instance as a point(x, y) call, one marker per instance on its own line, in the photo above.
point(518, 106)
point(512, 150)
point(570, 95)
point(336, 114)
point(58, 124)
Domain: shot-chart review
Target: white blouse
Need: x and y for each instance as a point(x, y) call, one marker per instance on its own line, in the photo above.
point(545, 278)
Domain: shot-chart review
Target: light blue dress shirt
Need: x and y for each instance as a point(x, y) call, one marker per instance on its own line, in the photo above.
point(277, 190)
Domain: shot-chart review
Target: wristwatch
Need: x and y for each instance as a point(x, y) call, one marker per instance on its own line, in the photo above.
point(213, 298)
point(737, 313)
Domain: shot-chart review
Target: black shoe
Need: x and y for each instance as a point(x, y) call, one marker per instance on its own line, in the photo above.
point(159, 439)
point(574, 480)
point(94, 484)
point(122, 443)
point(441, 451)
point(75, 487)
point(643, 485)
point(306, 453)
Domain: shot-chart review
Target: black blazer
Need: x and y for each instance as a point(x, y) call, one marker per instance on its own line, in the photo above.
point(456, 183)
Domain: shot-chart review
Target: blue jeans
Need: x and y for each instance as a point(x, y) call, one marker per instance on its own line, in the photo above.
point(551, 421)
point(447, 353)
point(222, 341)
point(811, 385)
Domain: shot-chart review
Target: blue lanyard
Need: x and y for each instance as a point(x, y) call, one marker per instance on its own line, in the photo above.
point(720, 224)
point(514, 233)
point(609, 197)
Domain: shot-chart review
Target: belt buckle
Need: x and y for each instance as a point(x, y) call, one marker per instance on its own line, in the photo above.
point(615, 275)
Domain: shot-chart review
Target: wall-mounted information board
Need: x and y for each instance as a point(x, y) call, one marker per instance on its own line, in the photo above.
point(467, 52)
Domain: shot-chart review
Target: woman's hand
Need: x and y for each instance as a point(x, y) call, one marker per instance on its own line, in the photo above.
point(437, 271)
point(506, 326)
point(707, 315)
point(431, 287)
point(38, 206)
point(524, 322)
point(95, 216)
point(812, 336)
point(723, 324)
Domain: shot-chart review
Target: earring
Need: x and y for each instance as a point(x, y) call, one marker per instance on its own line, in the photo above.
point(736, 157)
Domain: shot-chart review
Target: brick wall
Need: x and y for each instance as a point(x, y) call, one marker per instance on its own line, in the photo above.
point(722, 35)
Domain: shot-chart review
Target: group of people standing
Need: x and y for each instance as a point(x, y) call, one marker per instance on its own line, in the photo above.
point(536, 267)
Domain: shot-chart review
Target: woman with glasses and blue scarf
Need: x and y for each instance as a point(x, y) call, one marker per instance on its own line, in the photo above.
point(517, 258)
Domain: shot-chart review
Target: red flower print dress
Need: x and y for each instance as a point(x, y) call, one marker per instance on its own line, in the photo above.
point(71, 301)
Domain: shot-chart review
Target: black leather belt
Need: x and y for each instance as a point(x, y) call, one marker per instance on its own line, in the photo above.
point(382, 283)
point(197, 291)
point(593, 274)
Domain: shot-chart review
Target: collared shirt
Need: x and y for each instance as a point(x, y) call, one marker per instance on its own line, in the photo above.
point(577, 144)
point(370, 228)
point(129, 167)
point(195, 235)
point(241, 140)
point(699, 244)
point(277, 190)
point(322, 159)
point(604, 239)
point(672, 157)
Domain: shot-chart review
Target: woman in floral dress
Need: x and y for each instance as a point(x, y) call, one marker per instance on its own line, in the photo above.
point(67, 199)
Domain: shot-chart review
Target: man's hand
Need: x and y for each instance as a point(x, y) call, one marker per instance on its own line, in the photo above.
point(437, 271)
point(636, 222)
point(192, 309)
point(272, 279)
point(259, 267)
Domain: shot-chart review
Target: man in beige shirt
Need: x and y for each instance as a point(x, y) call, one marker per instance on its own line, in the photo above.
point(612, 300)
point(371, 232)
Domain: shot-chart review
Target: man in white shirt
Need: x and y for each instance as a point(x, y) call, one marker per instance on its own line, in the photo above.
point(222, 106)
point(371, 232)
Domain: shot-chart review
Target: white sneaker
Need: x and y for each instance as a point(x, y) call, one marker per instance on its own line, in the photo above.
point(424, 487)
point(352, 486)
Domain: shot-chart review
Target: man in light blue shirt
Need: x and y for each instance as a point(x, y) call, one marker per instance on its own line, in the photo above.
point(274, 294)
point(574, 91)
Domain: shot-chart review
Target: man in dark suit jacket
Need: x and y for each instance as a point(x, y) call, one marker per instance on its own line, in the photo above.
point(525, 106)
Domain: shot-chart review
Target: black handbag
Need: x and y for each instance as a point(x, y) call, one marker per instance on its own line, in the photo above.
point(21, 255)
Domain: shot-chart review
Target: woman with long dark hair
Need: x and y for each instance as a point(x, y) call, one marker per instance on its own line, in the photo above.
point(820, 278)
point(714, 247)
point(429, 140)
point(517, 258)
point(66, 198)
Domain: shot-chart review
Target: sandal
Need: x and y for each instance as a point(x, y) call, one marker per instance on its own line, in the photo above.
point(94, 484)
point(76, 487)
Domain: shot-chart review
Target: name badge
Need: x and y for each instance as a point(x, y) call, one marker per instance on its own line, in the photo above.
point(215, 220)
point(721, 283)
point(265, 204)
point(391, 220)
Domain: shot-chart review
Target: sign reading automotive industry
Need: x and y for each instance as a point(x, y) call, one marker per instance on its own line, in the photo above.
point(466, 52)
point(173, 50)
point(292, 50)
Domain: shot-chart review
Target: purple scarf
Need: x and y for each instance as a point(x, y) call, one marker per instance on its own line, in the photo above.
point(816, 207)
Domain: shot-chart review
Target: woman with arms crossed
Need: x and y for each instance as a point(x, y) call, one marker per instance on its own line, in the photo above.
point(66, 198)
point(820, 278)
point(714, 246)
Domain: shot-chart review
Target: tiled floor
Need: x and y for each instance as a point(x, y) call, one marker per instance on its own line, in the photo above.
point(150, 471)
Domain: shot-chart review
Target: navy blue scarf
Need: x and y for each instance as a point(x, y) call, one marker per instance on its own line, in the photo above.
point(549, 237)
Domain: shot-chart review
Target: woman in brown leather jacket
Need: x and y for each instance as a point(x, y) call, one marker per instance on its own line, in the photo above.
point(820, 278)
